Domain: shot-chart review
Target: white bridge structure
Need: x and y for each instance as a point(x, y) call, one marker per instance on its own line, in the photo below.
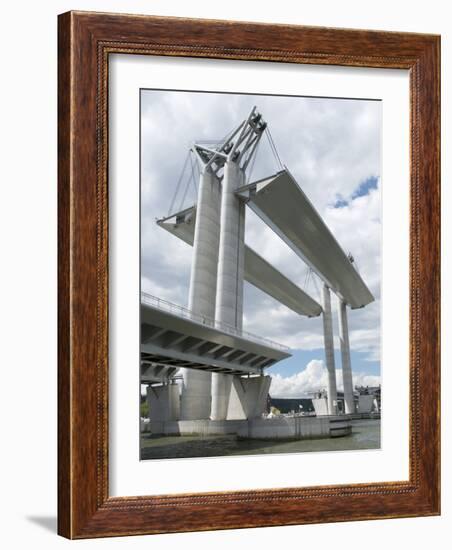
point(220, 366)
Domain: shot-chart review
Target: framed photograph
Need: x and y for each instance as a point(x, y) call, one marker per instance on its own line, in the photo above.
point(248, 275)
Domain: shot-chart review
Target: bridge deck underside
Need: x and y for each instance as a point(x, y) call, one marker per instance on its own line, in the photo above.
point(172, 341)
point(153, 373)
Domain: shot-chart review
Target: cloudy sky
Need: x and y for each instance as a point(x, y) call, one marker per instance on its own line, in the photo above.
point(332, 148)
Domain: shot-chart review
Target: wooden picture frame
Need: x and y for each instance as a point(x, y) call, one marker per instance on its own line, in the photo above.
point(85, 42)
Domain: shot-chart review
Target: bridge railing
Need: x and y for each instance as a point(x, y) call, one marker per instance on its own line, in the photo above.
point(181, 311)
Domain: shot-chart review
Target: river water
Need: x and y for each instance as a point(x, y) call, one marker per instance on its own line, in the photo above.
point(365, 435)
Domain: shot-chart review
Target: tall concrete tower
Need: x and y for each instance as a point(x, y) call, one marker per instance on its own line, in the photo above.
point(218, 254)
point(329, 349)
point(196, 389)
point(229, 297)
point(345, 357)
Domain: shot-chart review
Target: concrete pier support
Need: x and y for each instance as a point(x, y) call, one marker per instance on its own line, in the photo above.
point(196, 389)
point(365, 403)
point(329, 350)
point(229, 297)
point(345, 356)
point(248, 397)
point(163, 403)
point(321, 406)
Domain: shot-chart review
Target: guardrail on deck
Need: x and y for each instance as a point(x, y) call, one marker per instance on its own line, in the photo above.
point(181, 311)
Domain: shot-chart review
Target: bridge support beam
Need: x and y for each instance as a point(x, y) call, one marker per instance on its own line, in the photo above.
point(329, 349)
point(196, 389)
point(345, 357)
point(248, 397)
point(229, 297)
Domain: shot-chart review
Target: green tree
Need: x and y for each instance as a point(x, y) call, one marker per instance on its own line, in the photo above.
point(144, 409)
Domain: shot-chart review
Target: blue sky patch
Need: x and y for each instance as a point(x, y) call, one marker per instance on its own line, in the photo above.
point(365, 187)
point(340, 203)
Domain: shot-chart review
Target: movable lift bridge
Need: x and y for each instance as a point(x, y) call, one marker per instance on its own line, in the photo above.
point(206, 341)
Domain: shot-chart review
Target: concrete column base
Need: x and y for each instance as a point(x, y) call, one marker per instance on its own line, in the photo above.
point(221, 391)
point(248, 397)
point(320, 406)
point(365, 403)
point(164, 403)
point(196, 395)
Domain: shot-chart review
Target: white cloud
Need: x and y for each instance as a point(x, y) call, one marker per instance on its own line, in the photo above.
point(314, 378)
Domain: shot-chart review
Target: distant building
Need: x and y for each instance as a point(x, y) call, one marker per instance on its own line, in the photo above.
point(291, 405)
point(374, 391)
point(367, 399)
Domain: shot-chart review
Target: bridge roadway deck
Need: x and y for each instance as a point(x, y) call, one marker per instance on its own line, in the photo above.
point(285, 208)
point(175, 337)
point(258, 271)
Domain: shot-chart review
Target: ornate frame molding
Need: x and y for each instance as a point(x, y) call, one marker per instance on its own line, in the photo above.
point(85, 42)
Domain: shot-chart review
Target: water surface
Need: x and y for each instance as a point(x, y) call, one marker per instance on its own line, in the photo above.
point(365, 435)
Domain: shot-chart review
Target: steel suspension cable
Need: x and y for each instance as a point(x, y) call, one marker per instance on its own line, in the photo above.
point(193, 174)
point(253, 161)
point(273, 147)
point(170, 210)
point(187, 185)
